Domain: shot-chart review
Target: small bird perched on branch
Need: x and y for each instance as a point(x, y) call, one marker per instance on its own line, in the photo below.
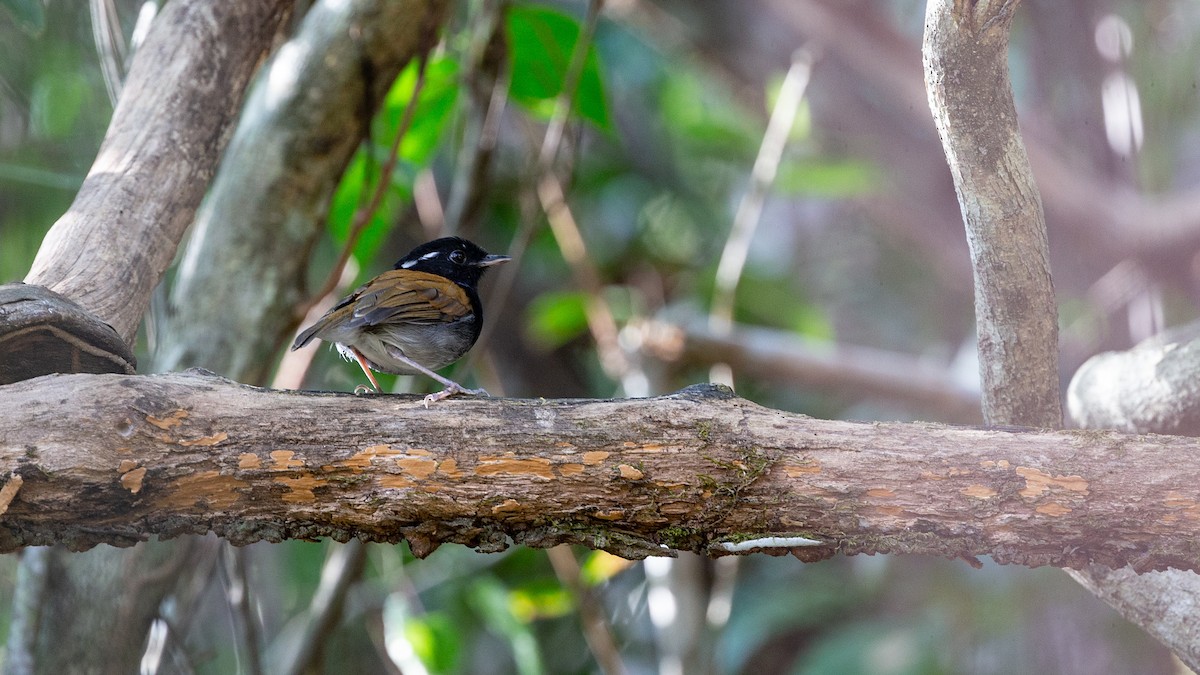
point(419, 316)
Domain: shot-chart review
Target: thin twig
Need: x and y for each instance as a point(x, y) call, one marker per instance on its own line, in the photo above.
point(363, 215)
point(341, 571)
point(596, 630)
point(551, 195)
point(245, 624)
point(745, 221)
point(110, 46)
point(484, 108)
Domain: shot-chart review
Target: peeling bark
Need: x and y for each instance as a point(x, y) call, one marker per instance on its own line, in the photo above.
point(116, 459)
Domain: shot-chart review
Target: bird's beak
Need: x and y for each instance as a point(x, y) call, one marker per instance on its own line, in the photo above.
point(493, 259)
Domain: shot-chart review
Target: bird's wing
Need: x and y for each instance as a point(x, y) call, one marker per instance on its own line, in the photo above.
point(405, 296)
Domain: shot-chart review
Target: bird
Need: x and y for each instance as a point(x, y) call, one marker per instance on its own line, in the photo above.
point(419, 316)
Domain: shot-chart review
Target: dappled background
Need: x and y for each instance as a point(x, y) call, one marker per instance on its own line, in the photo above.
point(820, 268)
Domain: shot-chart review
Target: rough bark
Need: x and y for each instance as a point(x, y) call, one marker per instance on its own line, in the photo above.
point(180, 100)
point(116, 458)
point(1016, 317)
point(965, 55)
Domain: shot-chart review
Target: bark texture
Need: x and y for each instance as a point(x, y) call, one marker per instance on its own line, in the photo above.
point(115, 459)
point(966, 72)
point(181, 97)
point(1016, 317)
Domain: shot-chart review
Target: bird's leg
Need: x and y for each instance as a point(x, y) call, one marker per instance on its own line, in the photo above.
point(451, 387)
point(362, 363)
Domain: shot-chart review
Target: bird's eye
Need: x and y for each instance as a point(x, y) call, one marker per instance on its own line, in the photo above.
point(458, 257)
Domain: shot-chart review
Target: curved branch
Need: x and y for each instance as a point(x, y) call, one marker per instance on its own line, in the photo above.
point(182, 95)
point(1016, 315)
point(117, 458)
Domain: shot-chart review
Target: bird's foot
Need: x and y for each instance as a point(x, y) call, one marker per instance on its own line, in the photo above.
point(452, 390)
point(361, 389)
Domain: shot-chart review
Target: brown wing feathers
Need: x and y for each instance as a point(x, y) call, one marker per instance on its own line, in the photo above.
point(409, 297)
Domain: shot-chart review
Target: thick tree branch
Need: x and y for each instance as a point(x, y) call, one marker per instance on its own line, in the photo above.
point(176, 110)
point(116, 458)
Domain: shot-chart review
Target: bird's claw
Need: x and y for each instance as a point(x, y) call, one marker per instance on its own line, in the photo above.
point(451, 391)
point(361, 389)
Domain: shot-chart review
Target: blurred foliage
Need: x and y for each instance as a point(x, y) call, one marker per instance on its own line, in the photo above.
point(654, 171)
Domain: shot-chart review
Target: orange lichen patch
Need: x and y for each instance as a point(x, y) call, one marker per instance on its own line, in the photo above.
point(881, 493)
point(609, 515)
point(449, 468)
point(509, 464)
point(362, 459)
point(889, 511)
point(651, 447)
point(421, 468)
point(630, 472)
point(1176, 500)
point(301, 488)
point(284, 460)
point(595, 457)
point(132, 480)
point(124, 450)
point(218, 491)
point(794, 470)
point(507, 506)
point(126, 465)
point(1038, 482)
point(978, 491)
point(950, 472)
point(421, 452)
point(169, 421)
point(249, 460)
point(205, 441)
point(388, 480)
point(1053, 509)
point(570, 469)
point(9, 491)
point(997, 464)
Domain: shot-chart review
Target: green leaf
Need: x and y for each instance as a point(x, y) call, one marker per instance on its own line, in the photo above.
point(600, 566)
point(557, 318)
point(352, 193)
point(540, 599)
point(435, 641)
point(56, 102)
point(830, 179)
point(434, 108)
point(704, 120)
point(29, 15)
point(540, 43)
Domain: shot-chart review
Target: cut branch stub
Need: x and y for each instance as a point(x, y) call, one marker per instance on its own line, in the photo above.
point(41, 332)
